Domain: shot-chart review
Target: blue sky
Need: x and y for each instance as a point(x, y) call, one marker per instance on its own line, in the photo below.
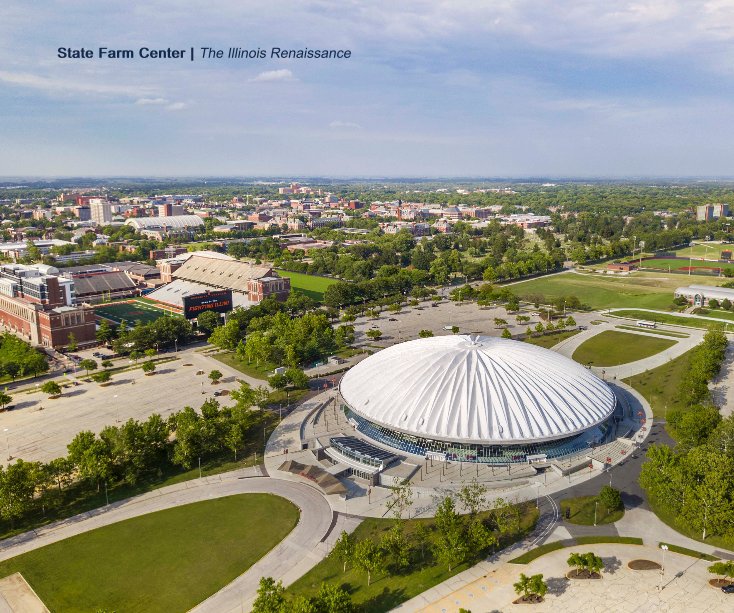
point(433, 88)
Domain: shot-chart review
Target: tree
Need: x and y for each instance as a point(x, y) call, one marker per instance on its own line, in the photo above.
point(12, 369)
point(374, 334)
point(104, 333)
point(102, 377)
point(51, 388)
point(531, 586)
point(473, 497)
point(714, 303)
point(135, 355)
point(499, 322)
point(344, 549)
point(208, 321)
point(5, 399)
point(71, 344)
point(106, 363)
point(333, 599)
point(215, 375)
point(450, 546)
point(726, 304)
point(693, 426)
point(148, 367)
point(396, 546)
point(570, 322)
point(610, 498)
point(17, 487)
point(528, 332)
point(539, 328)
point(454, 329)
point(589, 562)
point(368, 557)
point(425, 334)
point(88, 365)
point(506, 333)
point(725, 569)
point(270, 597)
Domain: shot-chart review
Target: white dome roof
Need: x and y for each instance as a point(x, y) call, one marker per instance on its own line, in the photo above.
point(477, 389)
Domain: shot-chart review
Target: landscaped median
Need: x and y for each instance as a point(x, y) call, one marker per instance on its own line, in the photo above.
point(533, 554)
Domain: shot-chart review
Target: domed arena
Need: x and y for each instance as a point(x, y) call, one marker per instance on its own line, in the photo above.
point(478, 399)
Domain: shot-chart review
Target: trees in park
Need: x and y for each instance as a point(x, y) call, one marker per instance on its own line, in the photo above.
point(610, 498)
point(208, 321)
point(368, 557)
point(88, 365)
point(18, 358)
point(705, 363)
point(454, 329)
point(344, 549)
point(292, 376)
point(692, 426)
point(531, 588)
point(714, 303)
point(539, 328)
point(570, 322)
point(499, 322)
point(148, 367)
point(374, 334)
point(215, 376)
point(51, 388)
point(272, 598)
point(106, 363)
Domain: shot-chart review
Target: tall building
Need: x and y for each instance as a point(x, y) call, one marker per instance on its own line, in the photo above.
point(38, 305)
point(707, 212)
point(101, 211)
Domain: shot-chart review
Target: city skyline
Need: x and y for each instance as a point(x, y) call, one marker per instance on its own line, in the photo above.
point(512, 89)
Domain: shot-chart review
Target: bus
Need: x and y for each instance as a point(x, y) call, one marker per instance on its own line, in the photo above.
point(647, 324)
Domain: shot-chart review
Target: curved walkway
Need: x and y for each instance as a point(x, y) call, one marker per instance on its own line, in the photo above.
point(305, 545)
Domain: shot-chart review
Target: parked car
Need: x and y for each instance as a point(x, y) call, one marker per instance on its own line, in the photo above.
point(728, 589)
point(392, 319)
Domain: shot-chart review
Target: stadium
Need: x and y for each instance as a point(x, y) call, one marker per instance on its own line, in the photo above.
point(478, 399)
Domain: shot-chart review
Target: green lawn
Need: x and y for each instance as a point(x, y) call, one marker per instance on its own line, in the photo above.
point(582, 511)
point(166, 561)
point(655, 331)
point(611, 348)
point(533, 554)
point(641, 290)
point(263, 371)
point(659, 386)
point(668, 318)
point(549, 340)
point(311, 285)
point(388, 591)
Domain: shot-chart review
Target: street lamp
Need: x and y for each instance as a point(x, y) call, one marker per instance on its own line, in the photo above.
point(7, 442)
point(664, 547)
point(596, 504)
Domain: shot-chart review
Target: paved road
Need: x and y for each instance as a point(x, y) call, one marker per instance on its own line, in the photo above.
point(305, 546)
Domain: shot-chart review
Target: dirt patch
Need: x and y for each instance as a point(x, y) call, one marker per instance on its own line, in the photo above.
point(719, 583)
point(531, 599)
point(644, 565)
point(582, 574)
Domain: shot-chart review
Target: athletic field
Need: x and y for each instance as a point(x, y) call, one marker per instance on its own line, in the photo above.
point(686, 265)
point(131, 312)
point(311, 285)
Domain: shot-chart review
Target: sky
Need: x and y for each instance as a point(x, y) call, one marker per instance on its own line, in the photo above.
point(571, 88)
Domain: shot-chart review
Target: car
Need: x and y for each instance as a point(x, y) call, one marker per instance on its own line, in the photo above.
point(217, 393)
point(728, 589)
point(392, 319)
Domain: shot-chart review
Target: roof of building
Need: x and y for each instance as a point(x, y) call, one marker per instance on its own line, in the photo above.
point(477, 389)
point(159, 223)
point(136, 268)
point(173, 293)
point(112, 281)
point(708, 291)
point(221, 273)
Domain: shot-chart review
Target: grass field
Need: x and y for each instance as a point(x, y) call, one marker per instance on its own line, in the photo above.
point(685, 264)
point(131, 312)
point(642, 290)
point(582, 511)
point(659, 386)
point(549, 340)
point(263, 371)
point(669, 318)
point(165, 561)
point(311, 285)
point(703, 250)
point(611, 348)
point(388, 591)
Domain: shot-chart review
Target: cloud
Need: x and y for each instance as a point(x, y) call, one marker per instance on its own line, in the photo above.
point(69, 85)
point(349, 125)
point(274, 75)
point(176, 106)
point(151, 101)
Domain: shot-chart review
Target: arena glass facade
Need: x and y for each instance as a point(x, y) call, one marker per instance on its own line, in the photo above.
point(488, 454)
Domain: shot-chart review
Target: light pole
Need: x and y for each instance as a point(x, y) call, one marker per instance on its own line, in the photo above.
point(596, 504)
point(7, 442)
point(662, 570)
point(117, 410)
point(199, 467)
point(537, 497)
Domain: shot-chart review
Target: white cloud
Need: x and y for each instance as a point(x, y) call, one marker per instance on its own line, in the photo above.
point(176, 106)
point(68, 85)
point(151, 101)
point(349, 125)
point(274, 75)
